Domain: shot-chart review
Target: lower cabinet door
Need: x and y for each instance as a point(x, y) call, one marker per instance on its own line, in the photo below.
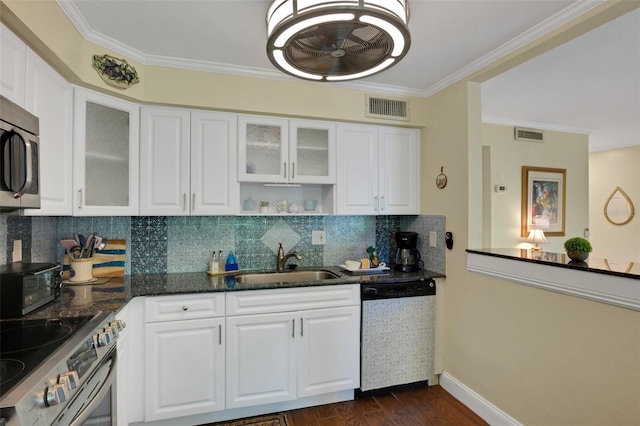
point(261, 359)
point(329, 350)
point(184, 369)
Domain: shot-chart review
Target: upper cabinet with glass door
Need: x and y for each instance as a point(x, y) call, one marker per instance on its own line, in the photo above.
point(277, 150)
point(106, 155)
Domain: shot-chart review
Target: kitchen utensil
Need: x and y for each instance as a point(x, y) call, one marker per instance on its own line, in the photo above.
point(97, 242)
point(68, 244)
point(90, 246)
point(75, 252)
point(102, 245)
point(86, 247)
point(80, 239)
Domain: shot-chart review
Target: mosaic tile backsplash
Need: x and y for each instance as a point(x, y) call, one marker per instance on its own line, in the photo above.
point(161, 244)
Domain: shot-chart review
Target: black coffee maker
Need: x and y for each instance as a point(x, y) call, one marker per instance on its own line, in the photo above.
point(407, 255)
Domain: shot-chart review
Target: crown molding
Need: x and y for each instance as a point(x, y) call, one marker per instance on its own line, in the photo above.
point(545, 27)
point(554, 22)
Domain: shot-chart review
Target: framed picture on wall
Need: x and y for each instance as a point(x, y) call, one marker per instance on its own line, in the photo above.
point(543, 200)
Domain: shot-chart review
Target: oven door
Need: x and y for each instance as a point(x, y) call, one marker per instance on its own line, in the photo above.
point(95, 402)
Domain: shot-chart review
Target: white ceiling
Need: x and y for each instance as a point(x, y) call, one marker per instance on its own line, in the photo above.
point(590, 84)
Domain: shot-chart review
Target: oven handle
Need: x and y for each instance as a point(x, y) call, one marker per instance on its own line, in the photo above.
point(106, 387)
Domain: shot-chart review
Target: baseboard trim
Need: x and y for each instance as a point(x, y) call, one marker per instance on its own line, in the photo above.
point(483, 408)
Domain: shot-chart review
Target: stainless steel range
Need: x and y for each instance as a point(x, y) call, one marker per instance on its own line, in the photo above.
point(57, 371)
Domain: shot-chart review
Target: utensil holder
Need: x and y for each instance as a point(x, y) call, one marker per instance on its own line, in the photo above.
point(81, 270)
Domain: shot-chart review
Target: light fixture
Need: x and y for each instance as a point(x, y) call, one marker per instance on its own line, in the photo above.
point(337, 40)
point(536, 235)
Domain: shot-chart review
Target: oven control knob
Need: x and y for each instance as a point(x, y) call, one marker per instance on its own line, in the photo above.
point(70, 379)
point(103, 339)
point(119, 324)
point(113, 331)
point(55, 395)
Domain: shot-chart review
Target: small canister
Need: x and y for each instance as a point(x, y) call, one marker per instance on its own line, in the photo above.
point(81, 270)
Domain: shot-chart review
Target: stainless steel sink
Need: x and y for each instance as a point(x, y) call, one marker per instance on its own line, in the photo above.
point(284, 277)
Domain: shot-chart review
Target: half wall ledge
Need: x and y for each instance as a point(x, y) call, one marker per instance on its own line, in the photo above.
point(551, 271)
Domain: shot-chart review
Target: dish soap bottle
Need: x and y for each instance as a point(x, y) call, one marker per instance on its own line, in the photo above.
point(214, 265)
point(231, 264)
point(373, 256)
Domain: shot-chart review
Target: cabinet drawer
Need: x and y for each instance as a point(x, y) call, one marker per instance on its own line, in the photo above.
point(172, 308)
point(292, 299)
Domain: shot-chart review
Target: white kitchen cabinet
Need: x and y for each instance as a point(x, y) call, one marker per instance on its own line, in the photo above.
point(292, 344)
point(106, 153)
point(50, 98)
point(328, 350)
point(188, 162)
point(261, 359)
point(184, 355)
point(13, 53)
point(378, 170)
point(277, 150)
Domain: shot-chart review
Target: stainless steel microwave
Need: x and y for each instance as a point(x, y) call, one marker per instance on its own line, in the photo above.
point(19, 162)
point(24, 287)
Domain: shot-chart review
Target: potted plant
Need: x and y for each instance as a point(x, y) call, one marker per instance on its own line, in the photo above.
point(578, 248)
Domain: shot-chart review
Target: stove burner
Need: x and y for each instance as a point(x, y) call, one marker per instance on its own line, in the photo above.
point(32, 336)
point(10, 368)
point(31, 342)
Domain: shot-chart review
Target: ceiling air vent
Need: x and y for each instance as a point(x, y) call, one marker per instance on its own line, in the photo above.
point(391, 108)
point(529, 135)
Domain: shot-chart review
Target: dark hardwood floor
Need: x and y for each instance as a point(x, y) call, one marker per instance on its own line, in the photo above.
point(419, 406)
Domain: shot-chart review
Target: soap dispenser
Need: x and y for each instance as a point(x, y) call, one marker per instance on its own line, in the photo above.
point(232, 264)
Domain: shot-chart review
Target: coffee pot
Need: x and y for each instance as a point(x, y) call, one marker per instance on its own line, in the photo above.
point(408, 257)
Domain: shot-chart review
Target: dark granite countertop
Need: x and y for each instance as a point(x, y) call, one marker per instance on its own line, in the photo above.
point(83, 300)
point(592, 264)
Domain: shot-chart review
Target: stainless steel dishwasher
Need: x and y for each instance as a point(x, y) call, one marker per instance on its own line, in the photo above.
point(397, 337)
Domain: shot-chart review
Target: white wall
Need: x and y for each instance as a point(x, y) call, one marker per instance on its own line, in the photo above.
point(559, 150)
point(608, 170)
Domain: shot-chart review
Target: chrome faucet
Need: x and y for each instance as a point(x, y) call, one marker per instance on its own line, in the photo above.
point(282, 258)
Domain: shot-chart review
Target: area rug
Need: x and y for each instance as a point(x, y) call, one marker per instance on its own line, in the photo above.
point(268, 420)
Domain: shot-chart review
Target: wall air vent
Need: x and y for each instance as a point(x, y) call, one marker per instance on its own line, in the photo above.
point(390, 108)
point(528, 135)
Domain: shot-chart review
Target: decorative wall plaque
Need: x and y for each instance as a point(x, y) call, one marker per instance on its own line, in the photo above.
point(618, 209)
point(115, 72)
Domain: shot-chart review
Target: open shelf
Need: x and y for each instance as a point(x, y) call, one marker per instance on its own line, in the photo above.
point(298, 194)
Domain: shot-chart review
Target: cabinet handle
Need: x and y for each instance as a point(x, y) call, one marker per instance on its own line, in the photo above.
point(301, 327)
point(293, 331)
point(293, 170)
point(219, 334)
point(382, 203)
point(193, 202)
point(375, 203)
point(79, 198)
point(185, 308)
point(184, 201)
point(285, 169)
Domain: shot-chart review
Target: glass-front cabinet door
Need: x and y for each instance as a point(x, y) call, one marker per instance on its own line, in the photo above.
point(277, 150)
point(106, 155)
point(262, 150)
point(312, 151)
